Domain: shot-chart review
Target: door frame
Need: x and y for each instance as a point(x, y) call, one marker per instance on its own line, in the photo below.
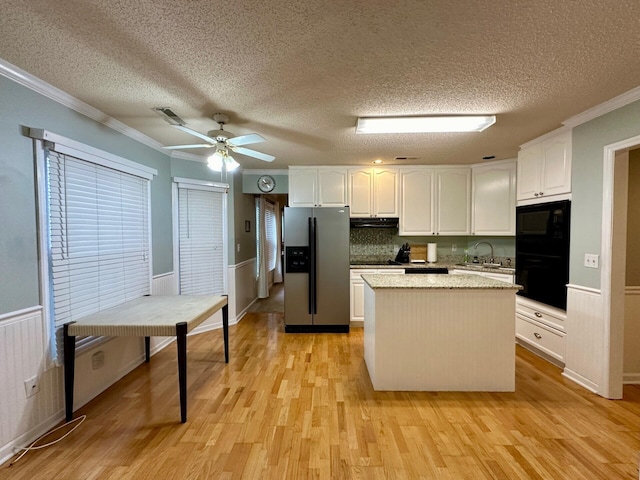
point(612, 269)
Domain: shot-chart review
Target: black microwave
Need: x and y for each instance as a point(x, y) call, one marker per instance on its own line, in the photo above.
point(542, 251)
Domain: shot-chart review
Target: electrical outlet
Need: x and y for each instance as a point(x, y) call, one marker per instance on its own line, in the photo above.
point(591, 260)
point(454, 247)
point(238, 248)
point(31, 386)
point(97, 360)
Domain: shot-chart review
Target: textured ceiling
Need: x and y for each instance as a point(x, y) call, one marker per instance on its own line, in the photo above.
point(301, 72)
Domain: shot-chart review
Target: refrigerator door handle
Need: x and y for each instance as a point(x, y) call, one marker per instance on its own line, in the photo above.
point(312, 273)
point(314, 265)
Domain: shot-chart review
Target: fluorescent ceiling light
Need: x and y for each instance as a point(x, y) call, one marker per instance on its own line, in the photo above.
point(430, 124)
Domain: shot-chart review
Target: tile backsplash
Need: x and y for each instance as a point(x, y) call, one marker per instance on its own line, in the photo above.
point(373, 244)
point(382, 244)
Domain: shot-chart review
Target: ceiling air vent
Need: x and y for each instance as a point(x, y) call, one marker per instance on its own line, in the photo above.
point(406, 157)
point(169, 115)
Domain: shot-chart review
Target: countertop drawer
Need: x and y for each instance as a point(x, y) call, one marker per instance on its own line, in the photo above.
point(545, 314)
point(545, 339)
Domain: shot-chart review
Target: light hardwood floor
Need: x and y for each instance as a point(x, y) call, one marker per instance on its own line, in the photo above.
point(293, 406)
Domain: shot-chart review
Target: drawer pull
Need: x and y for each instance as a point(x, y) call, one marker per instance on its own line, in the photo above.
point(538, 314)
point(537, 335)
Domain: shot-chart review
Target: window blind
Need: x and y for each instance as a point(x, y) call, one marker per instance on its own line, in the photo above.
point(98, 236)
point(271, 234)
point(201, 227)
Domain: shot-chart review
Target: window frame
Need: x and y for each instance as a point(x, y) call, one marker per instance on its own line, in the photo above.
point(190, 183)
point(43, 141)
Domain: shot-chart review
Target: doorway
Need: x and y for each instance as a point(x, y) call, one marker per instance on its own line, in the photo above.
point(617, 204)
point(269, 249)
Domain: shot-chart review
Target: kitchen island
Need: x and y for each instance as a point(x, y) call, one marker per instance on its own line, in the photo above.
point(439, 333)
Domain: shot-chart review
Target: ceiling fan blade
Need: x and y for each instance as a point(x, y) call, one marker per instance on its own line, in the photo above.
point(197, 134)
point(245, 140)
point(252, 153)
point(197, 145)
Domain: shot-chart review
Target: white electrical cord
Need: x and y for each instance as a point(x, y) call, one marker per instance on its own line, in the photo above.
point(78, 420)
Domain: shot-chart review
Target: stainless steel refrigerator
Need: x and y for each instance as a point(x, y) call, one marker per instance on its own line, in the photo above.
point(316, 279)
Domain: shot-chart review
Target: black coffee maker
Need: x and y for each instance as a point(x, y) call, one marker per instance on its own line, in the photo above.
point(404, 254)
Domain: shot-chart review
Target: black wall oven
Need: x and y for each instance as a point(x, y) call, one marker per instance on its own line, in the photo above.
point(542, 252)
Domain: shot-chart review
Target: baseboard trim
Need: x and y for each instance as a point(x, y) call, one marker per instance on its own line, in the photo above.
point(316, 328)
point(357, 323)
point(580, 380)
point(7, 452)
point(545, 356)
point(631, 379)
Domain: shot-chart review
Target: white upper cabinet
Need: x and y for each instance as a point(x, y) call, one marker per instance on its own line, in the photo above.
point(435, 201)
point(544, 169)
point(385, 192)
point(332, 187)
point(494, 199)
point(373, 192)
point(453, 201)
point(317, 187)
point(417, 201)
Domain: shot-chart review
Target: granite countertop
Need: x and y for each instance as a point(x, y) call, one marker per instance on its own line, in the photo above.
point(436, 282)
point(448, 265)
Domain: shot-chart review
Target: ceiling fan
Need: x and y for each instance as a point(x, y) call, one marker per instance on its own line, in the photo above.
point(222, 140)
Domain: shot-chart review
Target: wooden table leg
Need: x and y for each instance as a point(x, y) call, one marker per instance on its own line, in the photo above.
point(181, 340)
point(69, 346)
point(225, 331)
point(147, 349)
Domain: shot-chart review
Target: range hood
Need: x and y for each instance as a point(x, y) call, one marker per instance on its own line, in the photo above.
point(374, 222)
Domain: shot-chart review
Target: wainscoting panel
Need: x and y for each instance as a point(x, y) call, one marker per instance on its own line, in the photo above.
point(631, 335)
point(164, 284)
point(584, 341)
point(23, 356)
point(242, 293)
point(245, 290)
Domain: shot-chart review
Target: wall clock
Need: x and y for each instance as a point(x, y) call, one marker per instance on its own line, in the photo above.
point(266, 183)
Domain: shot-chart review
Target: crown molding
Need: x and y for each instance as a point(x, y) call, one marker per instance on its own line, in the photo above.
point(187, 156)
point(604, 108)
point(43, 88)
point(546, 136)
point(265, 172)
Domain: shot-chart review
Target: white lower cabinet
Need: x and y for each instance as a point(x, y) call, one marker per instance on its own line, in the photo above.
point(357, 291)
point(541, 327)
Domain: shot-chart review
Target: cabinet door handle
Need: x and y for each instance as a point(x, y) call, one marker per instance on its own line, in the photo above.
point(538, 314)
point(535, 194)
point(537, 335)
point(541, 193)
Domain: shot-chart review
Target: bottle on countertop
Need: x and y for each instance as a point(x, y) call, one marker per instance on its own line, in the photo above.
point(466, 256)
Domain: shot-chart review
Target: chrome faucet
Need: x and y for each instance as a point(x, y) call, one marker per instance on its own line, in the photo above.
point(479, 243)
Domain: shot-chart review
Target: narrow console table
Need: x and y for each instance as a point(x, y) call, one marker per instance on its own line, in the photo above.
point(150, 316)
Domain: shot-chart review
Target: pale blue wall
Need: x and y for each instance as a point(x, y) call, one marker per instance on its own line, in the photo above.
point(587, 166)
point(20, 107)
point(250, 183)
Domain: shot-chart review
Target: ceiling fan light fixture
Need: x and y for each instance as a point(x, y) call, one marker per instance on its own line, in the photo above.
point(425, 124)
point(216, 161)
point(230, 163)
point(221, 160)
